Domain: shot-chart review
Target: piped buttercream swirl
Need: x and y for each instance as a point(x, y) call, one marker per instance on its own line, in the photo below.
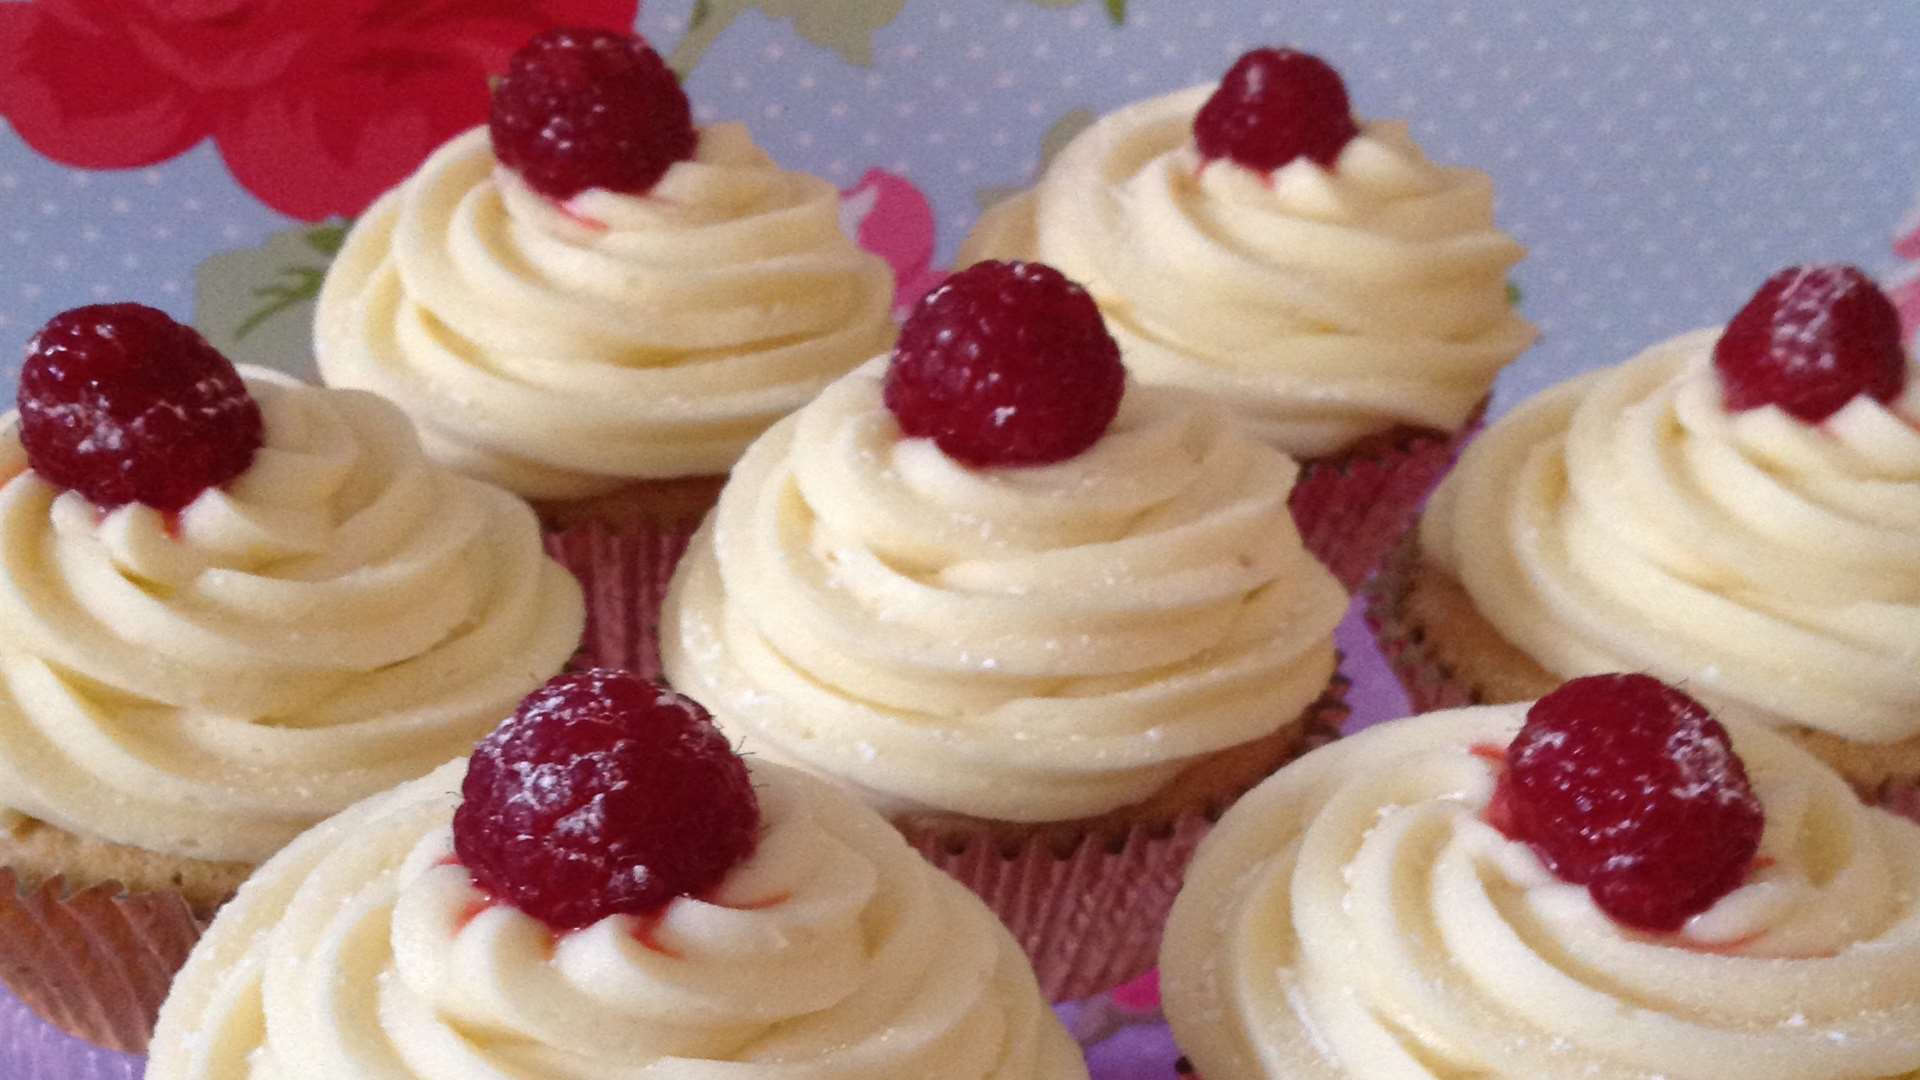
point(561, 350)
point(1628, 521)
point(1325, 304)
point(834, 952)
point(1356, 916)
point(342, 616)
point(1021, 644)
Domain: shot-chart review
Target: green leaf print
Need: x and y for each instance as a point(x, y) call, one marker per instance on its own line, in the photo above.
point(845, 26)
point(1116, 9)
point(256, 305)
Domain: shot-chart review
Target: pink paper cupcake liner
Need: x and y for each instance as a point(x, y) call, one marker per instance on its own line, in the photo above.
point(1901, 796)
point(623, 571)
point(1353, 507)
point(1090, 917)
point(97, 962)
point(1089, 920)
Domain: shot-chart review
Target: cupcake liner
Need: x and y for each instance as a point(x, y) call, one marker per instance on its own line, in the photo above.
point(1900, 796)
point(1089, 916)
point(96, 962)
point(1088, 920)
point(1469, 672)
point(1429, 681)
point(623, 569)
point(1353, 507)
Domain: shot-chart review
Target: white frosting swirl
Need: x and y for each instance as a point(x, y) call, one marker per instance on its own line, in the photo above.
point(342, 616)
point(1356, 916)
point(562, 350)
point(1627, 521)
point(1023, 644)
point(834, 952)
point(1326, 304)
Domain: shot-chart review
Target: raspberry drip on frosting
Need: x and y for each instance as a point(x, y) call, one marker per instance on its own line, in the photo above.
point(828, 948)
point(1628, 520)
point(590, 291)
point(1359, 916)
point(339, 617)
point(1251, 241)
point(1053, 623)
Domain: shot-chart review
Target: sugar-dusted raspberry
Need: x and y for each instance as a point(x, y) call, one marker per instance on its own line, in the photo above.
point(1007, 363)
point(122, 404)
point(1812, 339)
point(1629, 787)
point(604, 794)
point(1273, 106)
point(582, 108)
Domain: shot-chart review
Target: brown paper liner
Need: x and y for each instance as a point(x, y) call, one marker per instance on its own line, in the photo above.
point(96, 962)
point(1088, 909)
point(1443, 651)
point(1354, 506)
point(623, 548)
point(1446, 655)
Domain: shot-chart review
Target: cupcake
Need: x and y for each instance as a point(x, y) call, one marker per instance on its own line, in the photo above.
point(230, 605)
point(597, 306)
point(1253, 242)
point(1734, 510)
point(1605, 883)
point(1049, 622)
point(608, 890)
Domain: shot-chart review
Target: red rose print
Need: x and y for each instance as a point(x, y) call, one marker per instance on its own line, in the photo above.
point(317, 106)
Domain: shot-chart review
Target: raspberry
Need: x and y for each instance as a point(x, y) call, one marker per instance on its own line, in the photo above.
point(1007, 363)
point(1629, 787)
point(582, 108)
point(122, 404)
point(604, 794)
point(1273, 106)
point(1812, 339)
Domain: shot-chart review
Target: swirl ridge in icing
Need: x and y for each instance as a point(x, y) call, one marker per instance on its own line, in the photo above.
point(1324, 304)
point(1027, 644)
point(343, 616)
point(561, 350)
point(1356, 916)
point(833, 953)
point(1626, 521)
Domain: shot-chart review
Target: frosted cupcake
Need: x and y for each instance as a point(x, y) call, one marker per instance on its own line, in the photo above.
point(1606, 883)
point(1255, 243)
point(598, 306)
point(607, 890)
point(1736, 510)
point(229, 607)
point(1047, 620)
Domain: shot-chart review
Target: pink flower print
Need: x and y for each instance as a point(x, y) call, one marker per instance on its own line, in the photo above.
point(1141, 996)
point(886, 214)
point(1903, 287)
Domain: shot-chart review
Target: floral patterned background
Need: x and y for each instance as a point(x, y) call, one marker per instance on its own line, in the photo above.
point(1658, 159)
